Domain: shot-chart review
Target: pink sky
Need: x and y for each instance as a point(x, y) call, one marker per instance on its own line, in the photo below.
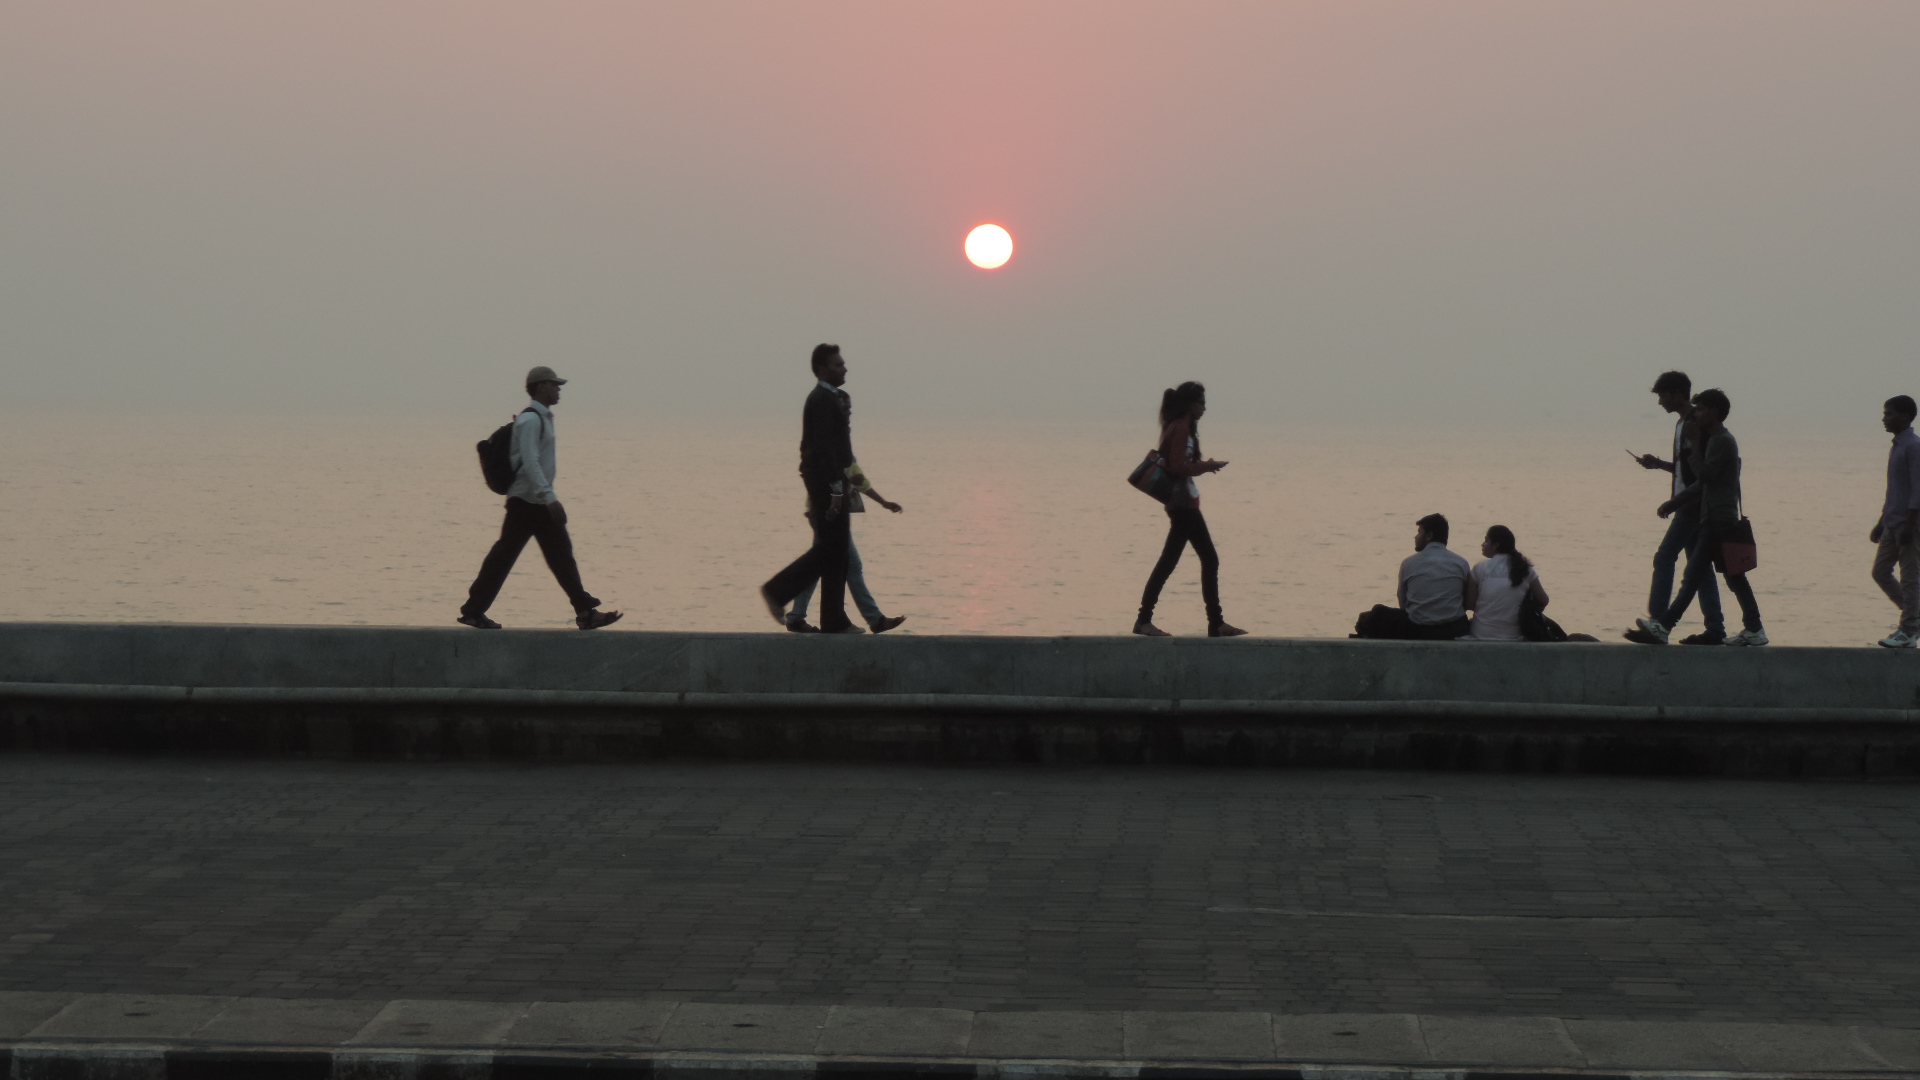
point(1333, 209)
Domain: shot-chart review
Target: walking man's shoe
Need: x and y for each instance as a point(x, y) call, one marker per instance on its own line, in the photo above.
point(1899, 639)
point(1221, 629)
point(1647, 632)
point(800, 626)
point(481, 622)
point(594, 620)
point(881, 626)
point(1704, 638)
point(774, 607)
point(1146, 629)
point(1748, 637)
point(847, 629)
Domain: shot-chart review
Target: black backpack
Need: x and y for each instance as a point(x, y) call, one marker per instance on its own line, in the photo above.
point(496, 456)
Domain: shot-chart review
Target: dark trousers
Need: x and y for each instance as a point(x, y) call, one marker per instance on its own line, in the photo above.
point(1185, 526)
point(825, 562)
point(1706, 548)
point(1392, 623)
point(527, 521)
point(1683, 531)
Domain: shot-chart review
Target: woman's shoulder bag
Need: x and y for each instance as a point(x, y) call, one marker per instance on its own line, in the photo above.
point(1152, 477)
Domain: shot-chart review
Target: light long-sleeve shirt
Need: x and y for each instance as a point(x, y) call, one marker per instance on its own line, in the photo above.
point(1903, 479)
point(532, 456)
point(860, 484)
point(1433, 585)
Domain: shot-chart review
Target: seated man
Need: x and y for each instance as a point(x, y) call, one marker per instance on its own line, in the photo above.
point(1433, 591)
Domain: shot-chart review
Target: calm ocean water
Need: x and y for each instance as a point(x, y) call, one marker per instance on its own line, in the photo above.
point(1021, 530)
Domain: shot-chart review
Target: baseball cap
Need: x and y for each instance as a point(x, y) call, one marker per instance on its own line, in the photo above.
point(543, 373)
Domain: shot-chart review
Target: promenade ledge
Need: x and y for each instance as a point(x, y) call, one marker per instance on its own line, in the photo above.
point(349, 692)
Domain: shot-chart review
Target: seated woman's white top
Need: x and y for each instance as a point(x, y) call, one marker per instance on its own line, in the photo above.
point(1497, 615)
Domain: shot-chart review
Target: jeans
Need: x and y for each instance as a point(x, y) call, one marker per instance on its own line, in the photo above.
point(1683, 529)
point(1700, 567)
point(1904, 593)
point(527, 521)
point(824, 562)
point(1185, 526)
point(856, 584)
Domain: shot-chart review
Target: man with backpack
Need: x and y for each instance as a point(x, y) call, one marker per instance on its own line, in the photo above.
point(524, 474)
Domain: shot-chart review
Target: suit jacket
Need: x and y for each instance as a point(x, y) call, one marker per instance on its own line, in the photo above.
point(826, 438)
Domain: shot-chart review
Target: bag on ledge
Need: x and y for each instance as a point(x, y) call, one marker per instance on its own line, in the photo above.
point(1534, 624)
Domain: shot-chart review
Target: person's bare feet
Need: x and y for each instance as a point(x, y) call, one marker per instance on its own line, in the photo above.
point(1145, 628)
point(1222, 629)
point(881, 626)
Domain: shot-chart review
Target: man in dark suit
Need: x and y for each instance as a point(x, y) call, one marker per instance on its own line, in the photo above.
point(826, 449)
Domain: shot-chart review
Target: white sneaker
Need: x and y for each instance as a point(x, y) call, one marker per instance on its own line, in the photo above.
point(1748, 637)
point(1653, 629)
point(1900, 639)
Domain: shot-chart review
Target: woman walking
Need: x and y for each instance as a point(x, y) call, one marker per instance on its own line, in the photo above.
point(1180, 411)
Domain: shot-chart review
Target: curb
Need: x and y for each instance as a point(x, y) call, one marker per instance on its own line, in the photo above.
point(1390, 709)
point(45, 1061)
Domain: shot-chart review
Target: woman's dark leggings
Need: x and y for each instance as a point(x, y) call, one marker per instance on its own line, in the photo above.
point(1186, 526)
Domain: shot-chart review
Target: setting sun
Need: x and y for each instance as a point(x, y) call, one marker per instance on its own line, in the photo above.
point(989, 246)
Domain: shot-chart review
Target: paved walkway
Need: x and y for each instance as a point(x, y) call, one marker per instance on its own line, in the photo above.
point(977, 890)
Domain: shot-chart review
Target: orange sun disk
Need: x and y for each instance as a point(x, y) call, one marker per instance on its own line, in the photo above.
point(989, 246)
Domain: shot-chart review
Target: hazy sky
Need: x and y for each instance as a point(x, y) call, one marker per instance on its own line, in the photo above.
point(1472, 212)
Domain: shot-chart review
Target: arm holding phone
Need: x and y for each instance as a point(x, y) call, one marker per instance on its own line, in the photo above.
point(1648, 461)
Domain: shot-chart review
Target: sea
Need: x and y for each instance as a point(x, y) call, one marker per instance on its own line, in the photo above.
point(1020, 528)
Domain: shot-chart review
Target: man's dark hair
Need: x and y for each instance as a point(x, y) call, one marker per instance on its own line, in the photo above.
point(1671, 381)
point(1716, 400)
point(822, 354)
point(1436, 526)
point(1903, 405)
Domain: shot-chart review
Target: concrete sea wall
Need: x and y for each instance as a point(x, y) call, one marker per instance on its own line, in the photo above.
point(455, 693)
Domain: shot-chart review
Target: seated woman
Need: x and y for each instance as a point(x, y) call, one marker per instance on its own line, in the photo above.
point(1498, 587)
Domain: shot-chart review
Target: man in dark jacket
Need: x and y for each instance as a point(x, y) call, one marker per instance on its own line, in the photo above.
point(826, 450)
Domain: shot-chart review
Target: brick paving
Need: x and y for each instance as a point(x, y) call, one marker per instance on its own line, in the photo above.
point(991, 889)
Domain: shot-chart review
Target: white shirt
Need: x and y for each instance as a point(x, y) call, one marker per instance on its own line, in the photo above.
point(1433, 585)
point(1193, 454)
point(1496, 617)
point(1680, 449)
point(532, 456)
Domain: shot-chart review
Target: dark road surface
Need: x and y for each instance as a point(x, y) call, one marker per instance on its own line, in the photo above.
point(1296, 892)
